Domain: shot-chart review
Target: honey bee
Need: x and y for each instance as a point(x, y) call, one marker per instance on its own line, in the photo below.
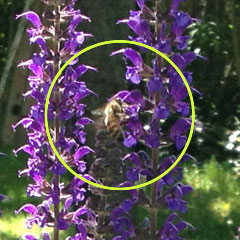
point(114, 117)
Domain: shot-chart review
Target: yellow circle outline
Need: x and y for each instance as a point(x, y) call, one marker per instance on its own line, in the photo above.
point(102, 44)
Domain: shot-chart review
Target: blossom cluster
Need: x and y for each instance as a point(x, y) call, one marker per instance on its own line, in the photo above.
point(157, 102)
point(62, 202)
point(150, 111)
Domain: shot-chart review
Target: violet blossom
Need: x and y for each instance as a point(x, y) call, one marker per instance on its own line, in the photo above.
point(166, 96)
point(63, 204)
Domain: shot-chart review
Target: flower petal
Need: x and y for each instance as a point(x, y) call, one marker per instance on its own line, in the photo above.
point(32, 17)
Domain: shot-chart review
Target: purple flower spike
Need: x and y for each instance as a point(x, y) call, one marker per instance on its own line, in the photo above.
point(163, 93)
point(63, 203)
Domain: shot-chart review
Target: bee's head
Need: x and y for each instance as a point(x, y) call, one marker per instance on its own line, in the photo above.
point(116, 106)
point(118, 100)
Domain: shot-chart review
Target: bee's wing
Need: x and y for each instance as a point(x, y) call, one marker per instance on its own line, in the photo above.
point(99, 116)
point(99, 112)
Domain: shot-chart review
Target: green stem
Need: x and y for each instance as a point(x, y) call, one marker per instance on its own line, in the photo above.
point(153, 210)
point(155, 151)
point(56, 67)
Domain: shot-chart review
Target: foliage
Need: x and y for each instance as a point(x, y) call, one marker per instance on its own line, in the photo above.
point(8, 9)
point(214, 205)
point(12, 225)
point(217, 79)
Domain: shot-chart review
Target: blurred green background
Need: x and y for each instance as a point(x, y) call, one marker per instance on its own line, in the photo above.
point(214, 205)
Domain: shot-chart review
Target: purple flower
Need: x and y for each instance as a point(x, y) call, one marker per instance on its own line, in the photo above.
point(132, 174)
point(163, 43)
point(32, 17)
point(134, 158)
point(62, 224)
point(132, 73)
point(177, 131)
point(155, 83)
point(163, 95)
point(127, 205)
point(181, 42)
point(173, 199)
point(64, 107)
point(129, 140)
point(182, 21)
point(162, 111)
point(29, 237)
point(171, 230)
point(152, 140)
point(122, 225)
point(138, 25)
point(82, 151)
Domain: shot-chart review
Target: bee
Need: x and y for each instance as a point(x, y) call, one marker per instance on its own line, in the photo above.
point(114, 116)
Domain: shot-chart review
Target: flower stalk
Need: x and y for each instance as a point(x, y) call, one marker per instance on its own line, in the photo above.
point(57, 100)
point(155, 151)
point(153, 208)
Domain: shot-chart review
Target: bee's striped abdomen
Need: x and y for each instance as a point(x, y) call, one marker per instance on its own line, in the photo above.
point(113, 127)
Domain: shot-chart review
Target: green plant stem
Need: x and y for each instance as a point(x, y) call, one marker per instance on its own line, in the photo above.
point(153, 212)
point(56, 66)
point(155, 151)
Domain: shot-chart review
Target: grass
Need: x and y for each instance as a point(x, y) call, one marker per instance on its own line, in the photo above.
point(213, 206)
point(12, 226)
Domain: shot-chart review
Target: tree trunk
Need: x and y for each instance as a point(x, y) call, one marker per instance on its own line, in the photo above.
point(104, 14)
point(235, 37)
point(12, 106)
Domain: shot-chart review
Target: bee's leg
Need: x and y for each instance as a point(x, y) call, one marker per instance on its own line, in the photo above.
point(122, 115)
point(115, 134)
point(124, 118)
point(121, 135)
